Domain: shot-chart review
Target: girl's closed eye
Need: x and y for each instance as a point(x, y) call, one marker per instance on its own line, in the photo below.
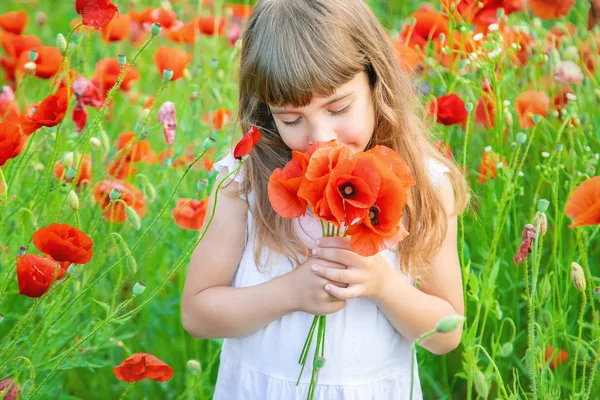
point(292, 123)
point(341, 111)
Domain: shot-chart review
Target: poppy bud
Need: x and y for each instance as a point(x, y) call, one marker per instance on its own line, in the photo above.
point(201, 186)
point(469, 107)
point(449, 323)
point(521, 138)
point(22, 251)
point(133, 217)
point(61, 43)
point(194, 366)
point(150, 192)
point(114, 194)
point(33, 55)
point(508, 118)
point(536, 118)
point(73, 200)
point(543, 205)
point(506, 349)
point(209, 143)
point(559, 147)
point(155, 30)
point(167, 74)
point(70, 174)
point(139, 288)
point(578, 276)
point(541, 220)
point(95, 142)
point(30, 67)
point(319, 362)
point(122, 59)
point(71, 269)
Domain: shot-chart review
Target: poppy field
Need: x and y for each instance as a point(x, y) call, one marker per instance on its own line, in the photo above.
point(112, 114)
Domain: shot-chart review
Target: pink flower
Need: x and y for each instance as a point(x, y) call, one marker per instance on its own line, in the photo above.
point(233, 33)
point(12, 392)
point(527, 236)
point(166, 115)
point(87, 93)
point(567, 72)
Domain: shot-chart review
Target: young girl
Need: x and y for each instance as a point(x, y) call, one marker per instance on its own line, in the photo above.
point(313, 71)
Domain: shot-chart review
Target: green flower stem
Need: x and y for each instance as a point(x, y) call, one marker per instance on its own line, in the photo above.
point(126, 391)
point(576, 358)
point(65, 57)
point(414, 355)
point(498, 375)
point(4, 205)
point(17, 330)
point(590, 383)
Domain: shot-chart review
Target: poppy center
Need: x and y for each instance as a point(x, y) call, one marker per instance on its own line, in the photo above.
point(373, 211)
point(347, 190)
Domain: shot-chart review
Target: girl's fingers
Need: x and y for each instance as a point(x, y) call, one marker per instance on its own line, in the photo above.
point(350, 292)
point(335, 241)
point(345, 275)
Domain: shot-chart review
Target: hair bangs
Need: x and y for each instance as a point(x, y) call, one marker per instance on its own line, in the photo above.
point(303, 54)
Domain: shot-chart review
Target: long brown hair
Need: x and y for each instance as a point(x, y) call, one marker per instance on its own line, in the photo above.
point(292, 49)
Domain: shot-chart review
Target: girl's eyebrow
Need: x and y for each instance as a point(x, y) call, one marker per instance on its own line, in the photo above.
point(330, 101)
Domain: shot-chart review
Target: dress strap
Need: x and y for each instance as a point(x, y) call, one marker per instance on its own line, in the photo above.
point(229, 163)
point(436, 170)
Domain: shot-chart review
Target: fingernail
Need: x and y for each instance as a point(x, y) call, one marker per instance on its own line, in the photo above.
point(328, 287)
point(315, 268)
point(317, 242)
point(314, 252)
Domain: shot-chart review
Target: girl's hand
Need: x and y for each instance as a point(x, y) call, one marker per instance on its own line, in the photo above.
point(363, 275)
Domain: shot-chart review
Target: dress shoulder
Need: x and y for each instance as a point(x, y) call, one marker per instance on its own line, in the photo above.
point(435, 171)
point(230, 163)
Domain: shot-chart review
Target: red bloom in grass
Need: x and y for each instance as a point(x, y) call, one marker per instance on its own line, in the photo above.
point(527, 238)
point(11, 141)
point(584, 203)
point(87, 93)
point(218, 118)
point(47, 63)
point(408, 58)
point(551, 9)
point(209, 25)
point(107, 73)
point(118, 29)
point(247, 143)
point(189, 214)
point(184, 34)
point(14, 21)
point(284, 184)
point(488, 167)
point(35, 274)
point(173, 59)
point(444, 148)
point(121, 168)
point(85, 176)
point(166, 18)
point(555, 357)
point(593, 14)
point(50, 112)
point(96, 14)
point(238, 11)
point(530, 103)
point(428, 26)
point(135, 152)
point(9, 109)
point(12, 392)
point(63, 242)
point(129, 194)
point(486, 109)
point(449, 109)
point(141, 366)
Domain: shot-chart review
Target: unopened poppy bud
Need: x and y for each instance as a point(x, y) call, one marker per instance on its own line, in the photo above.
point(319, 362)
point(508, 118)
point(61, 43)
point(521, 138)
point(536, 118)
point(202, 183)
point(139, 288)
point(209, 143)
point(506, 349)
point(167, 74)
point(33, 55)
point(133, 217)
point(71, 269)
point(95, 142)
point(449, 323)
point(122, 59)
point(155, 30)
point(543, 205)
point(22, 251)
point(70, 174)
point(469, 107)
point(150, 192)
point(481, 385)
point(194, 366)
point(73, 200)
point(578, 276)
point(542, 221)
point(30, 67)
point(559, 147)
point(114, 194)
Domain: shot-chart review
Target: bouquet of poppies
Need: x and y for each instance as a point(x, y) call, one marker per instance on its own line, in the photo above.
point(361, 195)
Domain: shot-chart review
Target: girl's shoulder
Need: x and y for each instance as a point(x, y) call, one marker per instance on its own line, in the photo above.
point(435, 170)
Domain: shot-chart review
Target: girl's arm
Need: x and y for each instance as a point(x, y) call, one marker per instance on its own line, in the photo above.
point(413, 311)
point(210, 307)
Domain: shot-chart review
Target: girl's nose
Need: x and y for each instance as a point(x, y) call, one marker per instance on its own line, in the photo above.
point(322, 134)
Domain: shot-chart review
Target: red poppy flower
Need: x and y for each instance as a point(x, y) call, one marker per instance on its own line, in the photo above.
point(189, 214)
point(134, 152)
point(35, 274)
point(85, 176)
point(551, 9)
point(556, 357)
point(238, 11)
point(141, 366)
point(15, 45)
point(9, 109)
point(173, 59)
point(522, 39)
point(488, 167)
point(87, 93)
point(63, 242)
point(593, 14)
point(129, 194)
point(96, 14)
point(166, 18)
point(444, 148)
point(47, 62)
point(584, 203)
point(284, 184)
point(209, 25)
point(11, 140)
point(408, 58)
point(12, 392)
point(486, 109)
point(530, 103)
point(118, 29)
point(448, 109)
point(50, 112)
point(247, 143)
point(186, 33)
point(107, 73)
point(121, 168)
point(218, 118)
point(483, 13)
point(14, 21)
point(428, 26)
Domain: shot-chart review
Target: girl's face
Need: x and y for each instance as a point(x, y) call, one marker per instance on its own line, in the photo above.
point(346, 116)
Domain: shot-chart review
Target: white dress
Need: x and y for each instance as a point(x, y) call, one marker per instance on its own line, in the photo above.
point(366, 357)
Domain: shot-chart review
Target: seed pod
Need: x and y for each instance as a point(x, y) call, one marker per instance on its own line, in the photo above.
point(542, 220)
point(578, 276)
point(73, 200)
point(194, 366)
point(481, 385)
point(449, 323)
point(133, 217)
point(139, 288)
point(61, 43)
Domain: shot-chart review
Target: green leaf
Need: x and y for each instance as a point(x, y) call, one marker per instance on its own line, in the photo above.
point(105, 306)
